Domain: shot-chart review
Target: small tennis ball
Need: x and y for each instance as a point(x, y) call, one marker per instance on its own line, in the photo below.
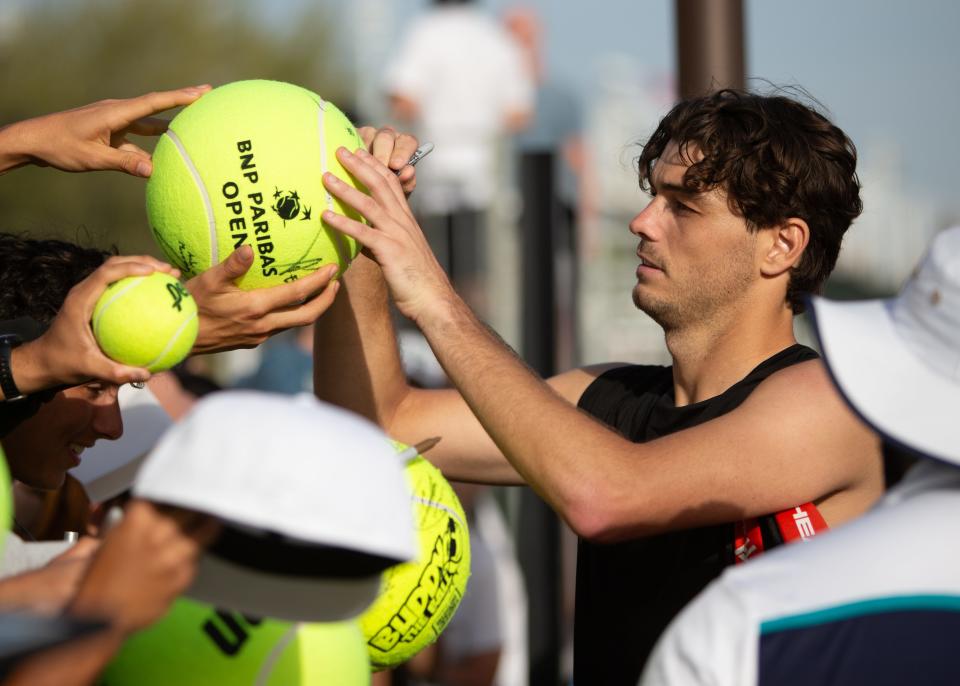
point(198, 645)
point(146, 321)
point(418, 598)
point(243, 166)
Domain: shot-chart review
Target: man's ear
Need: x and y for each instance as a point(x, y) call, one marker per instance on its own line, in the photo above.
point(784, 246)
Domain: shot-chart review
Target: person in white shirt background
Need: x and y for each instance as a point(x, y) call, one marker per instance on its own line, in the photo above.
point(460, 81)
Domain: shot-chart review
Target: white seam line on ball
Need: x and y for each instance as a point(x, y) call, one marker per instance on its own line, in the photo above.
point(440, 506)
point(211, 222)
point(339, 240)
point(321, 111)
point(173, 339)
point(133, 284)
point(276, 652)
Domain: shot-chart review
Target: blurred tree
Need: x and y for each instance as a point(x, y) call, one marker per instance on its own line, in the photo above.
point(66, 53)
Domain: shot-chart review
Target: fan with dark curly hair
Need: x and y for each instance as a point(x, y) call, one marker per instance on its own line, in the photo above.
point(36, 274)
point(35, 278)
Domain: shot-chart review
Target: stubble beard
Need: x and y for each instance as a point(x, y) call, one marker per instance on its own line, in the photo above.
point(699, 298)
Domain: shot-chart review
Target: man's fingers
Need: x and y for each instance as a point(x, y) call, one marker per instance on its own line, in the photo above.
point(380, 181)
point(152, 103)
point(158, 265)
point(390, 178)
point(383, 146)
point(206, 532)
point(149, 126)
point(361, 202)
point(127, 146)
point(185, 520)
point(360, 232)
point(404, 147)
point(121, 374)
point(408, 179)
point(237, 264)
point(297, 292)
point(102, 368)
point(131, 162)
point(367, 134)
point(114, 271)
point(301, 315)
point(117, 268)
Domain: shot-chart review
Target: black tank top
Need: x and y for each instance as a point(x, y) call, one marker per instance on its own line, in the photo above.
point(628, 592)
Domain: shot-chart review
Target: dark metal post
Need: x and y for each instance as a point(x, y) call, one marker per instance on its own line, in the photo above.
point(539, 530)
point(537, 268)
point(710, 52)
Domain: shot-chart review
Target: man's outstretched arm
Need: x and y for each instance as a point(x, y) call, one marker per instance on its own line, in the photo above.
point(357, 365)
point(792, 441)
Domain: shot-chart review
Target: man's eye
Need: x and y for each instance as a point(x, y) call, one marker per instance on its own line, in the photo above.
point(680, 207)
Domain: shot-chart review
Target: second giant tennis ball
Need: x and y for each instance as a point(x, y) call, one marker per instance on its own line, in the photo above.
point(417, 599)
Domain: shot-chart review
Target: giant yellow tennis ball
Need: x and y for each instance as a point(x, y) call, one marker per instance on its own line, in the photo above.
point(146, 321)
point(418, 599)
point(198, 645)
point(242, 166)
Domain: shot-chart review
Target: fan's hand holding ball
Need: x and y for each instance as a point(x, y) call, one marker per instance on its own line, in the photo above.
point(232, 318)
point(242, 166)
point(146, 321)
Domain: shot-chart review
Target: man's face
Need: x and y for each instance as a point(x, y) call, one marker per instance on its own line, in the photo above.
point(697, 256)
point(42, 449)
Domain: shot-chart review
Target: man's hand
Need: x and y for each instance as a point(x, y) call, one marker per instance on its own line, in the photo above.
point(67, 353)
point(394, 239)
point(144, 563)
point(393, 150)
point(93, 137)
point(233, 318)
point(50, 588)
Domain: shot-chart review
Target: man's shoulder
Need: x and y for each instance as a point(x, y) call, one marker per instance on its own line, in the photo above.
point(801, 402)
point(574, 383)
point(800, 384)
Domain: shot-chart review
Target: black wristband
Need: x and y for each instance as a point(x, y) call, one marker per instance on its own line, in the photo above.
point(10, 391)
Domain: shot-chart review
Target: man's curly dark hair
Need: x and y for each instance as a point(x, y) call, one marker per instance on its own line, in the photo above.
point(36, 275)
point(775, 158)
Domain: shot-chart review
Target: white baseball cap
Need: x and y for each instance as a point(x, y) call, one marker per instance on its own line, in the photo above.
point(312, 497)
point(897, 361)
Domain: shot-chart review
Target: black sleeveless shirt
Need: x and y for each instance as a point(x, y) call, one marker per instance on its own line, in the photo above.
point(628, 592)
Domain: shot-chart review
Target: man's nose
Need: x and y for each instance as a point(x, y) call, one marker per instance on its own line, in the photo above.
point(646, 223)
point(107, 421)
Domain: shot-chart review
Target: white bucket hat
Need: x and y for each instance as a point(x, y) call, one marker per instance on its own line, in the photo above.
point(897, 361)
point(312, 497)
point(109, 467)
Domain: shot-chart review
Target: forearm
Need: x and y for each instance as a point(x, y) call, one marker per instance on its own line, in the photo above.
point(29, 370)
point(357, 365)
point(569, 459)
point(356, 360)
point(13, 147)
point(76, 663)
